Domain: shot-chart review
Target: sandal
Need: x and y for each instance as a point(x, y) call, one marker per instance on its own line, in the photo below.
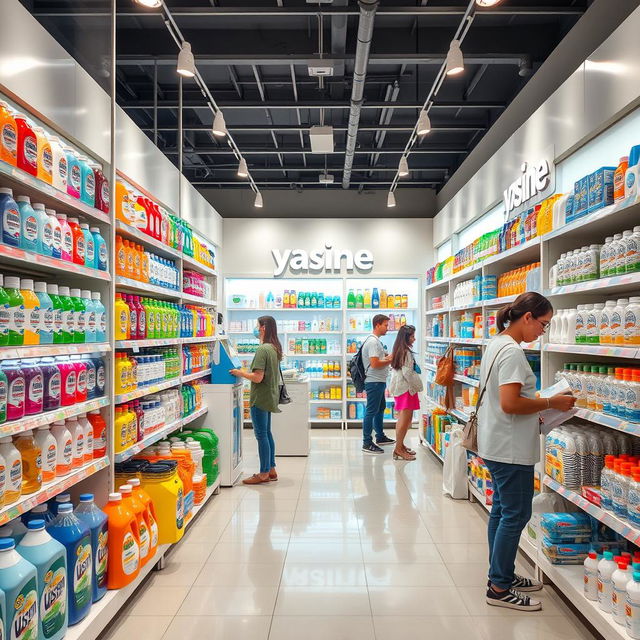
point(411, 452)
point(273, 475)
point(255, 479)
point(402, 455)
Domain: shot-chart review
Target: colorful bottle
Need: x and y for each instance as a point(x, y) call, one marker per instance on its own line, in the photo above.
point(11, 221)
point(121, 314)
point(4, 314)
point(124, 543)
point(96, 521)
point(15, 389)
point(68, 319)
point(79, 316)
point(3, 408)
point(45, 156)
point(8, 135)
point(99, 434)
point(45, 229)
point(33, 382)
point(64, 448)
point(102, 188)
point(60, 169)
point(66, 237)
point(13, 465)
point(101, 317)
point(74, 179)
point(31, 306)
point(29, 231)
point(58, 308)
point(27, 157)
point(51, 381)
point(90, 247)
point(101, 254)
point(56, 234)
point(79, 247)
point(131, 502)
point(31, 456)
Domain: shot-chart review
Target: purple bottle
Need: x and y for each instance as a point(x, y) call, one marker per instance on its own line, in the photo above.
point(101, 375)
point(33, 386)
point(91, 376)
point(50, 384)
point(15, 389)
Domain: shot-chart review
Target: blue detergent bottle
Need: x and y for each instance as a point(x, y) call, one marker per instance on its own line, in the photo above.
point(54, 503)
point(102, 255)
point(39, 512)
point(30, 233)
point(3, 613)
point(48, 556)
point(67, 529)
point(96, 519)
point(101, 317)
point(11, 221)
point(18, 582)
point(89, 246)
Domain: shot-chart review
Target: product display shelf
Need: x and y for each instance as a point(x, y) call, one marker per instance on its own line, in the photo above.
point(606, 517)
point(612, 351)
point(196, 375)
point(50, 490)
point(45, 264)
point(435, 312)
point(205, 302)
point(632, 428)
point(464, 307)
point(384, 310)
point(146, 391)
point(157, 342)
point(478, 497)
point(194, 416)
point(460, 275)
point(147, 441)
point(623, 282)
point(305, 309)
point(478, 341)
point(145, 288)
point(33, 422)
point(313, 355)
point(24, 184)
point(196, 339)
point(327, 420)
point(359, 421)
point(499, 302)
point(192, 263)
point(304, 333)
point(523, 251)
point(472, 382)
point(325, 379)
point(40, 351)
point(425, 445)
point(332, 401)
point(461, 415)
point(135, 234)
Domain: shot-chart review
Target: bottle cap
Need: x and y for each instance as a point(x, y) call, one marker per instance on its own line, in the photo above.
point(9, 543)
point(23, 199)
point(75, 293)
point(26, 283)
point(40, 287)
point(125, 488)
point(9, 192)
point(86, 497)
point(35, 525)
point(11, 282)
point(115, 497)
point(65, 507)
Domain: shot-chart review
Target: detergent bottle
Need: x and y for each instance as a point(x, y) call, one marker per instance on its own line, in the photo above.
point(4, 314)
point(131, 501)
point(90, 247)
point(45, 156)
point(101, 317)
point(8, 135)
point(49, 558)
point(66, 239)
point(75, 537)
point(79, 249)
point(11, 222)
point(45, 305)
point(60, 170)
point(74, 179)
point(149, 513)
point(101, 254)
point(102, 188)
point(79, 316)
point(68, 319)
point(122, 329)
point(31, 456)
point(27, 146)
point(18, 582)
point(88, 182)
point(29, 232)
point(64, 448)
point(39, 512)
point(56, 234)
point(99, 433)
point(4, 390)
point(49, 452)
point(52, 292)
point(54, 504)
point(32, 316)
point(13, 465)
point(45, 229)
point(123, 543)
point(163, 484)
point(96, 520)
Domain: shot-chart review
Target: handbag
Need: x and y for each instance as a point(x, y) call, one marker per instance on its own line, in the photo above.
point(416, 367)
point(284, 397)
point(470, 431)
point(445, 371)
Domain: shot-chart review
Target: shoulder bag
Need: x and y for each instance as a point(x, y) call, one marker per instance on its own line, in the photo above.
point(470, 431)
point(284, 397)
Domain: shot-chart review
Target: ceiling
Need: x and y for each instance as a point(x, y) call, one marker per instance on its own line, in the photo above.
point(254, 57)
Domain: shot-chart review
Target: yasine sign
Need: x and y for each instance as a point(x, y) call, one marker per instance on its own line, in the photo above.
point(536, 182)
point(329, 260)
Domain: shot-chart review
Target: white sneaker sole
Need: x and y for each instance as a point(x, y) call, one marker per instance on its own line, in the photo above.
point(508, 605)
point(372, 453)
point(535, 587)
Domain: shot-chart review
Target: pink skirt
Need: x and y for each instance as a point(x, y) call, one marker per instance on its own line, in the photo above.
point(407, 401)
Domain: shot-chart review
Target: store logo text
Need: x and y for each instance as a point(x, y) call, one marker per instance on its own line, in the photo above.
point(299, 260)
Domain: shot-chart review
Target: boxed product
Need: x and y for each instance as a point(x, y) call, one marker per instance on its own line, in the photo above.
point(566, 527)
point(601, 188)
point(580, 199)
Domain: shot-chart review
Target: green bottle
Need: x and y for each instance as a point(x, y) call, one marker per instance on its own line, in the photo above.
point(4, 315)
point(52, 292)
point(351, 300)
point(165, 320)
point(359, 300)
point(79, 315)
point(151, 318)
point(16, 311)
point(68, 310)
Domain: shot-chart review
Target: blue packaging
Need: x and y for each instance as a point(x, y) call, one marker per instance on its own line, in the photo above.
point(568, 208)
point(601, 188)
point(580, 198)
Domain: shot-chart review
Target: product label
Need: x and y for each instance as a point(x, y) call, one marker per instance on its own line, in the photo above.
point(10, 138)
point(11, 223)
point(102, 254)
point(53, 602)
point(633, 506)
point(90, 185)
point(50, 457)
point(48, 321)
point(67, 321)
point(47, 235)
point(102, 555)
point(91, 379)
point(100, 442)
point(3, 401)
point(5, 317)
point(79, 449)
point(57, 238)
point(592, 325)
point(133, 318)
point(67, 242)
point(58, 320)
point(47, 160)
point(631, 327)
point(123, 322)
point(100, 377)
point(144, 539)
point(105, 194)
point(141, 324)
point(35, 320)
point(90, 319)
point(91, 252)
point(75, 177)
point(15, 476)
point(82, 382)
point(80, 247)
point(82, 573)
point(30, 229)
point(3, 481)
point(615, 325)
point(79, 321)
point(632, 615)
point(31, 151)
point(36, 389)
point(130, 554)
point(70, 384)
point(153, 526)
point(16, 392)
point(65, 454)
point(63, 169)
point(180, 510)
point(25, 613)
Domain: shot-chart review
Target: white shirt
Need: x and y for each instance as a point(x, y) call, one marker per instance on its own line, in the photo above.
point(405, 379)
point(373, 348)
point(505, 437)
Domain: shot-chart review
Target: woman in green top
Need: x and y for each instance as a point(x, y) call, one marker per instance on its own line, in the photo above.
point(265, 393)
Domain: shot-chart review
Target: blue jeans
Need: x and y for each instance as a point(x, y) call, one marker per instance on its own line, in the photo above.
point(511, 510)
point(374, 413)
point(261, 420)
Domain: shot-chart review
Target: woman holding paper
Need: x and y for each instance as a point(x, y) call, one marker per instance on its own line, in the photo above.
point(509, 441)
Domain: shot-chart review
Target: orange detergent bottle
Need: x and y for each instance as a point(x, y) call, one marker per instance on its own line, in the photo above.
point(149, 513)
point(131, 501)
point(8, 135)
point(31, 455)
point(124, 210)
point(45, 156)
point(121, 261)
point(123, 543)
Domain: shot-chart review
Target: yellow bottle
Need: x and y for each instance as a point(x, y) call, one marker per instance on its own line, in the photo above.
point(121, 430)
point(132, 426)
point(31, 456)
point(122, 329)
point(383, 298)
point(122, 381)
point(367, 298)
point(31, 312)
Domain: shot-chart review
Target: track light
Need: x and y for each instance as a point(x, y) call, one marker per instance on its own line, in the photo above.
point(258, 201)
point(243, 170)
point(488, 3)
point(186, 63)
point(391, 199)
point(150, 4)
point(403, 167)
point(219, 125)
point(424, 123)
point(455, 59)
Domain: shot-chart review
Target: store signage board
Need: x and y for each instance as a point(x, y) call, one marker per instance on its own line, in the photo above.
point(328, 260)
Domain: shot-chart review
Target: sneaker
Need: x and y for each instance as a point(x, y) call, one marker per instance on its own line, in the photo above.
point(384, 440)
point(371, 448)
point(512, 599)
point(522, 584)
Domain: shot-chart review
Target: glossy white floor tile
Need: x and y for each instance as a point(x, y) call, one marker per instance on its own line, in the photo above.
point(343, 547)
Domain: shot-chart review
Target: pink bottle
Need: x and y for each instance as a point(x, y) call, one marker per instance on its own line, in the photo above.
point(15, 389)
point(66, 250)
point(133, 317)
point(134, 303)
point(68, 381)
point(33, 386)
point(81, 378)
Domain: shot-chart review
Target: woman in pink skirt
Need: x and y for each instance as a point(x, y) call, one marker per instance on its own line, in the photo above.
point(405, 384)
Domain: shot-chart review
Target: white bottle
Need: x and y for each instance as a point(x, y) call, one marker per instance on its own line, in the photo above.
point(594, 316)
point(13, 466)
point(77, 441)
point(591, 576)
point(569, 327)
point(605, 322)
point(606, 567)
point(592, 263)
point(88, 438)
point(580, 324)
point(583, 258)
point(64, 442)
point(556, 322)
point(616, 322)
point(559, 208)
point(56, 233)
point(617, 254)
point(633, 606)
point(60, 167)
point(632, 256)
point(619, 581)
point(605, 257)
point(561, 264)
point(49, 448)
point(632, 322)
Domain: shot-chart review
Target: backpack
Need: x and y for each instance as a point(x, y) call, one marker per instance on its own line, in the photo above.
point(357, 370)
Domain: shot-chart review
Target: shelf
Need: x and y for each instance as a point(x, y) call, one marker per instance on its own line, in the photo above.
point(472, 382)
point(191, 263)
point(476, 341)
point(465, 307)
point(428, 447)
point(40, 351)
point(45, 264)
point(198, 300)
point(152, 438)
point(325, 401)
point(146, 391)
point(612, 422)
point(156, 342)
point(33, 422)
point(202, 339)
point(308, 333)
point(461, 415)
point(50, 490)
point(145, 288)
point(381, 310)
point(499, 302)
point(313, 355)
point(24, 184)
point(196, 375)
point(478, 496)
point(327, 420)
point(611, 351)
point(525, 248)
point(285, 309)
point(131, 232)
point(359, 421)
point(357, 399)
point(326, 379)
point(435, 312)
point(194, 416)
point(627, 281)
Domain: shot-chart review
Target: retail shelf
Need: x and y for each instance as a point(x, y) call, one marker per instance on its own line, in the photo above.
point(525, 248)
point(425, 445)
point(465, 307)
point(437, 339)
point(358, 399)
point(33, 422)
point(499, 302)
point(147, 441)
point(367, 333)
point(45, 264)
point(466, 380)
point(359, 421)
point(196, 375)
point(146, 391)
point(306, 333)
point(333, 401)
point(479, 497)
point(435, 312)
point(384, 310)
point(467, 271)
point(40, 351)
point(51, 489)
point(135, 234)
point(476, 341)
point(24, 184)
point(328, 420)
point(618, 424)
point(135, 344)
point(191, 263)
point(438, 284)
point(611, 351)
point(326, 379)
point(314, 309)
point(461, 415)
point(313, 355)
point(196, 339)
point(146, 288)
point(606, 517)
point(205, 302)
point(628, 281)
point(194, 416)
point(210, 491)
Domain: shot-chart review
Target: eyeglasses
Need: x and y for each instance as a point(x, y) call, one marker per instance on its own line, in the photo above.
point(545, 325)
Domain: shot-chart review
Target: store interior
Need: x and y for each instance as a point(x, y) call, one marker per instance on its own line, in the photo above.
point(170, 172)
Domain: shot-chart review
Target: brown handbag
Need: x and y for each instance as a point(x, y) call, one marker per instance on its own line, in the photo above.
point(445, 371)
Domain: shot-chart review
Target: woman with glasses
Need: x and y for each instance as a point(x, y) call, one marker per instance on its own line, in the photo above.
point(509, 441)
point(405, 384)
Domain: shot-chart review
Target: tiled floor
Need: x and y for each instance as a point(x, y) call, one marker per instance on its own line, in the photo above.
point(344, 546)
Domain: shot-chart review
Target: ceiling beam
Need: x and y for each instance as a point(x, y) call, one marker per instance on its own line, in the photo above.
point(255, 169)
point(292, 128)
point(266, 152)
point(314, 183)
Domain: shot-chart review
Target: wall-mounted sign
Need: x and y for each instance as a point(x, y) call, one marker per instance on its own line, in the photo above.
point(328, 260)
point(535, 182)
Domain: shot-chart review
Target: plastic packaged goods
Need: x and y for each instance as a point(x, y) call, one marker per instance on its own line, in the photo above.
point(133, 504)
point(64, 448)
point(619, 581)
point(8, 135)
point(96, 521)
point(123, 543)
point(606, 567)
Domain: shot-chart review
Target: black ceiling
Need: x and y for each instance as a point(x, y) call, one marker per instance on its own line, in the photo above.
point(253, 56)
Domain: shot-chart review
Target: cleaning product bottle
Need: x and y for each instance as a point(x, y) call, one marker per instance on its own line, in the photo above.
point(31, 456)
point(27, 158)
point(149, 513)
point(16, 311)
point(4, 314)
point(101, 317)
point(79, 249)
point(122, 328)
point(54, 504)
point(102, 188)
point(46, 313)
point(101, 253)
point(60, 169)
point(39, 512)
point(591, 576)
point(33, 386)
point(96, 521)
point(4, 390)
point(87, 182)
point(79, 315)
point(15, 389)
point(49, 451)
point(131, 502)
point(99, 434)
point(49, 558)
point(66, 236)
point(31, 312)
point(77, 442)
point(58, 308)
point(68, 319)
point(64, 448)
point(13, 465)
point(123, 542)
point(75, 537)
point(45, 156)
point(29, 231)
point(90, 247)
point(632, 608)
point(74, 179)
point(619, 580)
point(8, 135)
point(11, 221)
point(606, 567)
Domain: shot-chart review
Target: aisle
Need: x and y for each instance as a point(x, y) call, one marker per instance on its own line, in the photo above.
point(344, 546)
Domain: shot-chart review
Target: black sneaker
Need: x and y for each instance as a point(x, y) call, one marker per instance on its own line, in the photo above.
point(371, 448)
point(384, 440)
point(522, 584)
point(511, 599)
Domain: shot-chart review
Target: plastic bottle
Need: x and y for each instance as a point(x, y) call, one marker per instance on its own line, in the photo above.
point(27, 157)
point(619, 192)
point(31, 307)
point(15, 389)
point(569, 327)
point(99, 434)
point(90, 317)
point(39, 512)
point(90, 248)
point(66, 239)
point(124, 543)
point(49, 451)
point(580, 324)
point(58, 308)
point(606, 567)
point(29, 230)
point(633, 606)
point(605, 322)
point(96, 521)
point(49, 559)
point(591, 576)
point(617, 321)
point(631, 334)
point(77, 442)
point(101, 378)
point(121, 314)
point(46, 313)
point(60, 168)
point(13, 466)
point(101, 317)
point(4, 314)
point(31, 456)
point(8, 135)
point(74, 178)
point(605, 257)
point(101, 253)
point(88, 438)
point(78, 316)
point(605, 483)
point(616, 264)
point(3, 402)
point(81, 378)
point(619, 581)
point(131, 502)
point(11, 218)
point(102, 188)
point(75, 537)
point(64, 448)
point(19, 584)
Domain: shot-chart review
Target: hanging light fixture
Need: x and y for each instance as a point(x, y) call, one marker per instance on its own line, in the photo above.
point(243, 170)
point(455, 59)
point(258, 201)
point(424, 123)
point(403, 167)
point(219, 125)
point(150, 4)
point(391, 199)
point(488, 3)
point(186, 63)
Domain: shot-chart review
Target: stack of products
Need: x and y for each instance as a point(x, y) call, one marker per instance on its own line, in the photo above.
point(196, 357)
point(29, 147)
point(467, 361)
point(352, 393)
point(479, 477)
point(468, 325)
point(364, 323)
point(325, 369)
point(438, 326)
point(440, 302)
point(195, 284)
point(520, 280)
point(318, 324)
point(247, 346)
point(40, 313)
point(434, 351)
point(313, 346)
point(289, 299)
point(151, 367)
point(328, 393)
point(133, 261)
point(328, 413)
point(435, 429)
point(368, 299)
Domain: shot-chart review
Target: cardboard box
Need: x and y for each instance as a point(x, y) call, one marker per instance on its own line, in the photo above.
point(580, 198)
point(601, 188)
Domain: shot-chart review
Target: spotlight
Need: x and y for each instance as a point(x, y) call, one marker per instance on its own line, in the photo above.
point(219, 125)
point(391, 199)
point(243, 170)
point(424, 123)
point(186, 63)
point(455, 59)
point(403, 167)
point(258, 201)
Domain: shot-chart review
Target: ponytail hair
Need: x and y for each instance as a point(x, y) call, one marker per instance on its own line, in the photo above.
point(530, 302)
point(271, 333)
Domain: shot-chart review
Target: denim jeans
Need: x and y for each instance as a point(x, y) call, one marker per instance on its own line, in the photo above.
point(374, 413)
point(511, 510)
point(261, 420)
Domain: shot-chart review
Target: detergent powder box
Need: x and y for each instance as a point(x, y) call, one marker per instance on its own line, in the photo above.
point(580, 198)
point(601, 188)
